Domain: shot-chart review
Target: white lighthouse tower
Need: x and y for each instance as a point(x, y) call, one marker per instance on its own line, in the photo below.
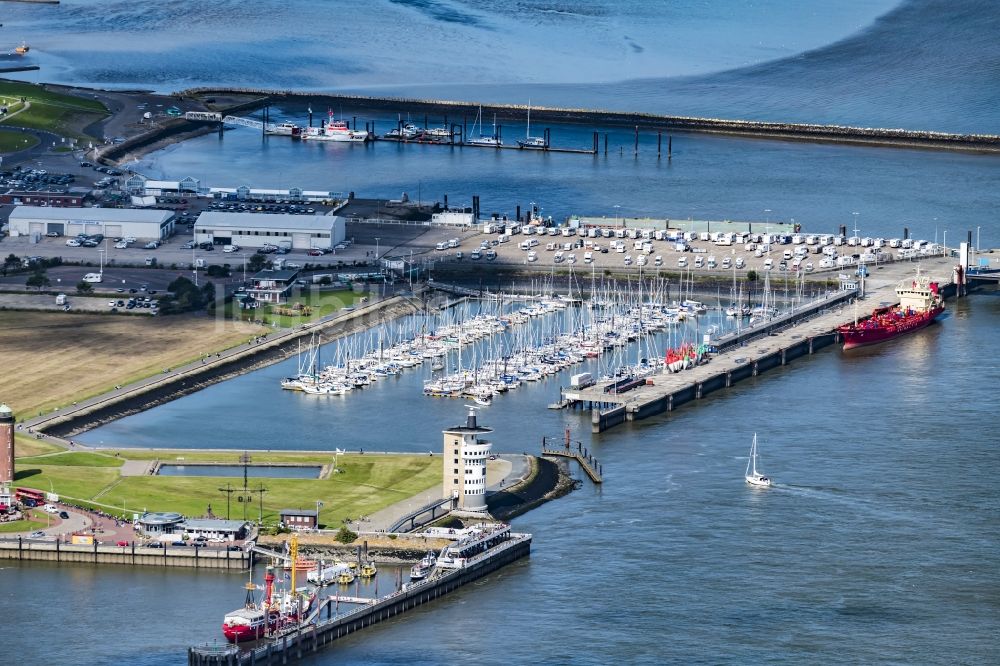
point(465, 458)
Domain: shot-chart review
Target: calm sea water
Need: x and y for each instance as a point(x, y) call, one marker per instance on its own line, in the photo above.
point(879, 541)
point(877, 545)
point(927, 64)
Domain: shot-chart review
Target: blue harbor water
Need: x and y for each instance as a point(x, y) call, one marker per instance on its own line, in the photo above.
point(878, 542)
point(254, 471)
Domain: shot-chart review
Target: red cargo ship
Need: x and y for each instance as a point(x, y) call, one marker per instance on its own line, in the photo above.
point(919, 305)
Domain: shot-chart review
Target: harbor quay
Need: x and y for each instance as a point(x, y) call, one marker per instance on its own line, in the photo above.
point(477, 552)
point(749, 352)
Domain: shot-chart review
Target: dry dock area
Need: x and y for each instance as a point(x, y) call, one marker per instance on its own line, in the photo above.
point(751, 351)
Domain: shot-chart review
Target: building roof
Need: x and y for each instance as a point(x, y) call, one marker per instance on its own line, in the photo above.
point(91, 214)
point(299, 512)
point(279, 221)
point(279, 276)
point(155, 518)
point(214, 525)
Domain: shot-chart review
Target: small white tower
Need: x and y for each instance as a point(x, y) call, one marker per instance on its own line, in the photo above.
point(465, 464)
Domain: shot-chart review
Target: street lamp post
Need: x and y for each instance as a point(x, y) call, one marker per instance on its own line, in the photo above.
point(376, 250)
point(978, 246)
point(244, 267)
point(945, 242)
point(617, 206)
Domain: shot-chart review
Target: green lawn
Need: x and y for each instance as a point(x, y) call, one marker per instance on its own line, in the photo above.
point(13, 141)
point(365, 484)
point(76, 459)
point(21, 526)
point(63, 114)
point(322, 303)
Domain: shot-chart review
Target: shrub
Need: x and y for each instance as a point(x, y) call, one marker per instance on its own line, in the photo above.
point(346, 536)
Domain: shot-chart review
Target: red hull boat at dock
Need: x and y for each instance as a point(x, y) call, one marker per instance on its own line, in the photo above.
point(920, 303)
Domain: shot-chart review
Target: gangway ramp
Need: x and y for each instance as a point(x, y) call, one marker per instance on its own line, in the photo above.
point(241, 121)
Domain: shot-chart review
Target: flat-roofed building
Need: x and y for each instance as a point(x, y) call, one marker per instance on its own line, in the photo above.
point(272, 286)
point(111, 222)
point(297, 232)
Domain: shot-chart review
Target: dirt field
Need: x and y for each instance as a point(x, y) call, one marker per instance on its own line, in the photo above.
point(48, 360)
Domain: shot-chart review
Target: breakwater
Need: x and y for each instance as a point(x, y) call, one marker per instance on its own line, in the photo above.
point(171, 131)
point(899, 137)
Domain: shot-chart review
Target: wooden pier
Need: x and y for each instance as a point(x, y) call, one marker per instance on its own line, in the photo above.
point(579, 453)
point(751, 351)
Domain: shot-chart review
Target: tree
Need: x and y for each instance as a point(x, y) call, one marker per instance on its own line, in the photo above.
point(217, 271)
point(751, 276)
point(256, 262)
point(84, 287)
point(38, 279)
point(12, 262)
point(208, 293)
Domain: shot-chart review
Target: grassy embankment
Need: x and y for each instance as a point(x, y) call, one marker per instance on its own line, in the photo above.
point(14, 141)
point(365, 484)
point(64, 115)
point(50, 359)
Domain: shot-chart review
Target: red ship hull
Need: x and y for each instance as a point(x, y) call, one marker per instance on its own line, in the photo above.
point(862, 334)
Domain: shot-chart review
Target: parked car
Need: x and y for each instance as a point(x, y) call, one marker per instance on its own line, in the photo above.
point(63, 515)
point(36, 535)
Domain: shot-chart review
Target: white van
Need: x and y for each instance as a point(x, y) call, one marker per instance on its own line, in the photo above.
point(588, 257)
point(786, 255)
point(641, 260)
point(524, 245)
point(658, 261)
point(452, 242)
point(532, 256)
point(740, 263)
point(801, 251)
point(829, 262)
point(699, 261)
point(550, 247)
point(558, 257)
point(682, 262)
point(768, 264)
point(93, 277)
point(628, 260)
point(711, 262)
point(442, 245)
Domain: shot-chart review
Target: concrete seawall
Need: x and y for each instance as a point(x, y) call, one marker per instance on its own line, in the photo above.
point(198, 558)
point(643, 121)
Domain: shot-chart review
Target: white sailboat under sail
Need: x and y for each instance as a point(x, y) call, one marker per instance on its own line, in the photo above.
point(753, 477)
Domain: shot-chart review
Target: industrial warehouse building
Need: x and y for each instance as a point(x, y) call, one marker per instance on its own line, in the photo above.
point(253, 230)
point(112, 222)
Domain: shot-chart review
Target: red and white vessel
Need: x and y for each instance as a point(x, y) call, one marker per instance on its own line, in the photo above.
point(254, 620)
point(920, 303)
point(275, 611)
point(333, 130)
